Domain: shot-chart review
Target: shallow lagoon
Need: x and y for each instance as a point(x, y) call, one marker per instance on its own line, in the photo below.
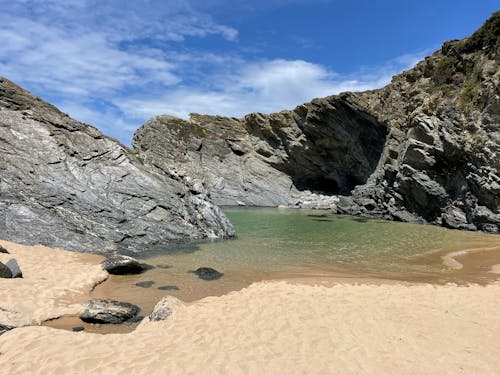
point(286, 243)
point(310, 246)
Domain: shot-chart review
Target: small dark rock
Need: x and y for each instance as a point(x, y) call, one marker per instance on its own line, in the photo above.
point(78, 329)
point(14, 268)
point(3, 250)
point(5, 272)
point(145, 284)
point(168, 287)
point(108, 311)
point(122, 265)
point(4, 328)
point(208, 274)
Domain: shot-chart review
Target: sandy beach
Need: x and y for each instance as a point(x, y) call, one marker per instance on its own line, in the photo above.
point(55, 282)
point(267, 328)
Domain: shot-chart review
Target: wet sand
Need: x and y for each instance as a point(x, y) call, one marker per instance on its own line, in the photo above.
point(474, 268)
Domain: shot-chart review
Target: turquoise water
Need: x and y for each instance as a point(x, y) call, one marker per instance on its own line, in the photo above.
point(299, 244)
point(277, 239)
point(286, 243)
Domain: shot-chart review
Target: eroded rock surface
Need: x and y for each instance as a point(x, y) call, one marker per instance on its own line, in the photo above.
point(65, 184)
point(425, 148)
point(329, 145)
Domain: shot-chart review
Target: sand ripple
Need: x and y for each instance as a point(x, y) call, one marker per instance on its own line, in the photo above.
point(276, 328)
point(55, 282)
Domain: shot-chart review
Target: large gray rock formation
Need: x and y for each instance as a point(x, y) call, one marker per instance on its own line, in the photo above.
point(329, 145)
point(425, 148)
point(63, 183)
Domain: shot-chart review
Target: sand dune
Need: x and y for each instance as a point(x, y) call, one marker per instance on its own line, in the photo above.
point(55, 282)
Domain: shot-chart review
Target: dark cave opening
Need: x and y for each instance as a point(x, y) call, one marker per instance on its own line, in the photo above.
point(343, 149)
point(318, 184)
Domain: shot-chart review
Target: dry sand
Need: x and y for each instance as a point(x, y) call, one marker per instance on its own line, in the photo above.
point(56, 282)
point(275, 328)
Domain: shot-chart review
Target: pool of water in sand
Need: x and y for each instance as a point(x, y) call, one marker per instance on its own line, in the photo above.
point(308, 245)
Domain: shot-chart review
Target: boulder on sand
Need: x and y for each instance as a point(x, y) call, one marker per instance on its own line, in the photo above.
point(108, 311)
point(123, 265)
point(5, 272)
point(14, 268)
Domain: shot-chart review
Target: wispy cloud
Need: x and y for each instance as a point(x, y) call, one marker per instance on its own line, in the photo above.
point(264, 86)
point(114, 64)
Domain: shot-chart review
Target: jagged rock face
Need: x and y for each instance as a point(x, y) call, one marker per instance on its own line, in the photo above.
point(65, 184)
point(329, 145)
point(425, 148)
point(441, 162)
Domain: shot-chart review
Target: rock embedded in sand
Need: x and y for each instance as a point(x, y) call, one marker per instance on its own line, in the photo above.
point(208, 274)
point(78, 329)
point(14, 268)
point(165, 308)
point(5, 272)
point(108, 311)
point(3, 250)
point(4, 328)
point(123, 265)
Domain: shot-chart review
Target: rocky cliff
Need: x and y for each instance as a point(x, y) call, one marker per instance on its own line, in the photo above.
point(425, 148)
point(329, 146)
point(63, 183)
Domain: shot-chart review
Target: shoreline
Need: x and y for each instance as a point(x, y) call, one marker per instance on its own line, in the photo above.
point(56, 282)
point(301, 325)
point(62, 308)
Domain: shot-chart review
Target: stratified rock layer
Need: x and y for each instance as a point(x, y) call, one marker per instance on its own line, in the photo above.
point(64, 184)
point(425, 148)
point(329, 145)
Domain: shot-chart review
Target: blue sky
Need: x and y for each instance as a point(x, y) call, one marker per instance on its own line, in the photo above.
point(114, 64)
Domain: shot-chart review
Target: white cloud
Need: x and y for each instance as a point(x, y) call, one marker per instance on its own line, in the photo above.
point(87, 47)
point(266, 86)
point(114, 64)
point(75, 64)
